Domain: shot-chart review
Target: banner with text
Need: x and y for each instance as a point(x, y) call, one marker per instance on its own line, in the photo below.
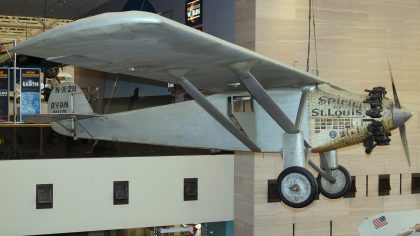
point(30, 93)
point(4, 94)
point(193, 13)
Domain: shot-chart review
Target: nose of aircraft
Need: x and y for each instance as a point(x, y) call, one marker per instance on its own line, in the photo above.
point(400, 116)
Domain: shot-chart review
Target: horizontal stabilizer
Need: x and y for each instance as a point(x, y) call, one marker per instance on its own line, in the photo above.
point(54, 117)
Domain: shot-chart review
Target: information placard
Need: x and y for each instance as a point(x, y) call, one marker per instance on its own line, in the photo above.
point(193, 12)
point(30, 93)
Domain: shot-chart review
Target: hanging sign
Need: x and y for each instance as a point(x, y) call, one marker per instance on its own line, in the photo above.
point(30, 93)
point(193, 12)
point(4, 94)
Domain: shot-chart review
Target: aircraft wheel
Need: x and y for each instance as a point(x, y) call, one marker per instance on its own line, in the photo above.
point(297, 187)
point(337, 189)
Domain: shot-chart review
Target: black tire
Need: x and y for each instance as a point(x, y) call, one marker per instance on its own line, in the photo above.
point(340, 192)
point(309, 181)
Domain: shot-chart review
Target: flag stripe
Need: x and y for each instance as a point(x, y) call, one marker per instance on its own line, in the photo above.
point(379, 222)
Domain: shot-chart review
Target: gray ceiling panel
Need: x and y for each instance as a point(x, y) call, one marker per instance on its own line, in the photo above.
point(59, 9)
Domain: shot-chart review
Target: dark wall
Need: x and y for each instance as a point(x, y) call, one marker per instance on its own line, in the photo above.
point(42, 143)
point(218, 15)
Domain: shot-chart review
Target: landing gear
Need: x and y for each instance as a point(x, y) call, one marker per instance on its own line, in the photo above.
point(297, 187)
point(339, 187)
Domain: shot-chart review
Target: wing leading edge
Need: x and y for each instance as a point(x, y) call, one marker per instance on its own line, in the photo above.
point(147, 45)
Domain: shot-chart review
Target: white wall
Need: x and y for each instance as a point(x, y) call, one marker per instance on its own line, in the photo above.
point(83, 190)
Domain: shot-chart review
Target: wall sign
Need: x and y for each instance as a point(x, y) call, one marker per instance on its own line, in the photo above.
point(190, 189)
point(4, 94)
point(44, 196)
point(193, 12)
point(120, 192)
point(30, 93)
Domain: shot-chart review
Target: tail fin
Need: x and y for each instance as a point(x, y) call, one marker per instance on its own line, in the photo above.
point(66, 101)
point(68, 98)
point(66, 106)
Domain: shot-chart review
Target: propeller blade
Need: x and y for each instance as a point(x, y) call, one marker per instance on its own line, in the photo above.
point(404, 141)
point(394, 90)
point(403, 132)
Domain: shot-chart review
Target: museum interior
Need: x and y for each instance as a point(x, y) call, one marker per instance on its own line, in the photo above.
point(223, 148)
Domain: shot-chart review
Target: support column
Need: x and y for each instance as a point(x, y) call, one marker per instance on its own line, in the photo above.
point(253, 215)
point(244, 194)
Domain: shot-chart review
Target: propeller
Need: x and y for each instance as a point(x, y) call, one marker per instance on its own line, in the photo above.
point(394, 90)
point(403, 131)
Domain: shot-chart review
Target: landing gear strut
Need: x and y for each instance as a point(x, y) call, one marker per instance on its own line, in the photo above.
point(334, 181)
point(296, 186)
point(339, 187)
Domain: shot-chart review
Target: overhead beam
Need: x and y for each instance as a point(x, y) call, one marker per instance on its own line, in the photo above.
point(27, 27)
point(179, 75)
point(20, 36)
point(14, 20)
point(19, 24)
point(30, 26)
point(242, 69)
point(12, 34)
point(6, 29)
point(41, 22)
point(49, 25)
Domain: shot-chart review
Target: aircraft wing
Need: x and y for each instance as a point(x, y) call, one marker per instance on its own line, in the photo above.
point(147, 45)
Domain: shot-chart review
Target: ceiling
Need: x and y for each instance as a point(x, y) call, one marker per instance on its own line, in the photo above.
point(59, 9)
point(23, 19)
point(22, 28)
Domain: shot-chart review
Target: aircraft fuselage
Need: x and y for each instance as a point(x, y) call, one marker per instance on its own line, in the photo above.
point(332, 119)
point(338, 118)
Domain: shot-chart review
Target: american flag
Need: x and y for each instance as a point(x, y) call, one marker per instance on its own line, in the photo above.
point(379, 222)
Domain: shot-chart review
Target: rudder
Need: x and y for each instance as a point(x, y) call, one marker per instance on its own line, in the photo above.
point(68, 97)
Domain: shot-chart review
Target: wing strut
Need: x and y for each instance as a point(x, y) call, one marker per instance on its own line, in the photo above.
point(73, 122)
point(242, 69)
point(179, 75)
point(301, 110)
